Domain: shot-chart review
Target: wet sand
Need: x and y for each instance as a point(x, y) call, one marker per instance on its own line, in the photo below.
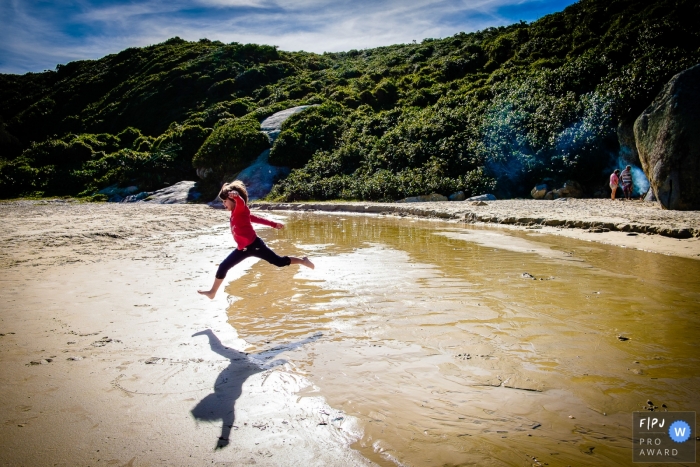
point(629, 224)
point(394, 350)
point(110, 357)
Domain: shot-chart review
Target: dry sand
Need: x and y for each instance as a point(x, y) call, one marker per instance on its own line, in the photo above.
point(109, 357)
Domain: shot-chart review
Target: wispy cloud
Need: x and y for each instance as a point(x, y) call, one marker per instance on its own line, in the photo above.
point(37, 36)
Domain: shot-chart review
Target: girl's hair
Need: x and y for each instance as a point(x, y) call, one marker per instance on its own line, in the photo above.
point(617, 171)
point(238, 186)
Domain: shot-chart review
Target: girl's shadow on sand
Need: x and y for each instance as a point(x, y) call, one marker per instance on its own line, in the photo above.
point(219, 405)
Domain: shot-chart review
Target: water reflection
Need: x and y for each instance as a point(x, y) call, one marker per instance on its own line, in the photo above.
point(457, 345)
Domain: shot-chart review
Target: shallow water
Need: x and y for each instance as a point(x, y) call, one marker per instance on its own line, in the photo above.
point(449, 354)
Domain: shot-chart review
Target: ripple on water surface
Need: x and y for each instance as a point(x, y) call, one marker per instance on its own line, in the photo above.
point(460, 345)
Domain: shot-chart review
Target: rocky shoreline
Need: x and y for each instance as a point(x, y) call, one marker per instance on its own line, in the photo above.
point(595, 215)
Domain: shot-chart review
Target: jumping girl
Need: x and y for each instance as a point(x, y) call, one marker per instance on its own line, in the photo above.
point(235, 198)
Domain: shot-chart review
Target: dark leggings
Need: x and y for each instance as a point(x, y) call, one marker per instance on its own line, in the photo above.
point(257, 249)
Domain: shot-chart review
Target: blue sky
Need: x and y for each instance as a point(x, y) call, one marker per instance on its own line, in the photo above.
point(39, 34)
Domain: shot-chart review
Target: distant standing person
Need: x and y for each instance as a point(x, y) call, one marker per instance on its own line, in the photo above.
point(614, 182)
point(626, 179)
point(235, 198)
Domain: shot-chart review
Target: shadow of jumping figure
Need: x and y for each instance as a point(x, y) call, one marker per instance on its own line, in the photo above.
point(219, 405)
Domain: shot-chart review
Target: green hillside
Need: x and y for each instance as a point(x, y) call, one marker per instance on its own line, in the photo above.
point(497, 110)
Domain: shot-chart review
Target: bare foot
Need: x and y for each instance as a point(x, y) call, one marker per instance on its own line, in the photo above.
point(207, 293)
point(307, 262)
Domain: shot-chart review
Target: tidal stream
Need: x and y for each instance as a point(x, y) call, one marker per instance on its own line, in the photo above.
point(457, 345)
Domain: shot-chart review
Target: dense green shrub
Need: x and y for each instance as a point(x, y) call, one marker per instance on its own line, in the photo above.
point(10, 146)
point(128, 137)
point(128, 167)
point(184, 140)
point(496, 109)
point(18, 177)
point(58, 152)
point(231, 147)
point(314, 129)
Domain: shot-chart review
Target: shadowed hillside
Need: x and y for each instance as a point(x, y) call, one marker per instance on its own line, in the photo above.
point(496, 110)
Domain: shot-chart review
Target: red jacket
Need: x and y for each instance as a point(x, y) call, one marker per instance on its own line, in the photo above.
point(241, 227)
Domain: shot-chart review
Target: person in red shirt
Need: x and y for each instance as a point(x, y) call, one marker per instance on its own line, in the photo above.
point(235, 198)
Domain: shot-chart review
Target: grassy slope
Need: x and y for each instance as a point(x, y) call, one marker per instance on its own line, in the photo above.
point(497, 109)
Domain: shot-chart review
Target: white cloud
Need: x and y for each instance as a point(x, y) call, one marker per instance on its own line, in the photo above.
point(236, 3)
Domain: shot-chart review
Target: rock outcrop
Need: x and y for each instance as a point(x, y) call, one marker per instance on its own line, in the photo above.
point(539, 191)
point(115, 194)
point(260, 175)
point(179, 193)
point(668, 141)
point(628, 145)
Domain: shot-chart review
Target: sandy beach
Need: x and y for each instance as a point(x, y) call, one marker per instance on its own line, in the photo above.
point(109, 357)
point(107, 348)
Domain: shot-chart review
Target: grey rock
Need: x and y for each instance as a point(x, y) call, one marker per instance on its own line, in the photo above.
point(650, 197)
point(486, 197)
point(272, 125)
point(179, 193)
point(216, 203)
point(459, 196)
point(110, 190)
point(539, 191)
point(571, 189)
point(137, 197)
point(117, 194)
point(668, 141)
point(628, 145)
point(260, 175)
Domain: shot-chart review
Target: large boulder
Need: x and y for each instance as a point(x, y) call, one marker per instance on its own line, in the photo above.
point(259, 176)
point(458, 196)
point(571, 189)
point(628, 145)
point(272, 125)
point(179, 193)
point(668, 141)
point(116, 194)
point(539, 191)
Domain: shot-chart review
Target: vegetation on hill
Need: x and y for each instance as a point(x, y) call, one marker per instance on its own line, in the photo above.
point(497, 110)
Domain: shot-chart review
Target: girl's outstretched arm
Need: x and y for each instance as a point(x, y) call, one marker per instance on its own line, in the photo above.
point(268, 222)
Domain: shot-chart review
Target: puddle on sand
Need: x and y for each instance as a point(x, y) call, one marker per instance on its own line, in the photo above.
point(436, 340)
